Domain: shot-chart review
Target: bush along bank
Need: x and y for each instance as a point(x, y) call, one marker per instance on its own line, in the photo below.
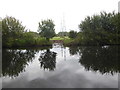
point(102, 29)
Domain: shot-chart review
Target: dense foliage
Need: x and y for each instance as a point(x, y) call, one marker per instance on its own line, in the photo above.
point(14, 34)
point(101, 29)
point(12, 30)
point(61, 34)
point(46, 29)
point(72, 34)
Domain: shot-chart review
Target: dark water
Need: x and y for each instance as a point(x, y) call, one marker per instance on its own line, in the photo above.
point(61, 67)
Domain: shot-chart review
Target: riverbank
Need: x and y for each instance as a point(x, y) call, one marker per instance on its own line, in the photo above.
point(42, 42)
point(27, 42)
point(76, 42)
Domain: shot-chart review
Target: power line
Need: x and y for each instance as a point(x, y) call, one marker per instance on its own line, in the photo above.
point(63, 27)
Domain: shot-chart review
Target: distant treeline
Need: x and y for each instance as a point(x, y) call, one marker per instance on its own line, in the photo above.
point(101, 29)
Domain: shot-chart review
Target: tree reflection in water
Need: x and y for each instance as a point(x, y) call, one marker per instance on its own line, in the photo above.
point(96, 58)
point(15, 61)
point(73, 50)
point(100, 58)
point(48, 60)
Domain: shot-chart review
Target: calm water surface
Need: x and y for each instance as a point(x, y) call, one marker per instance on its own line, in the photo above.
point(61, 67)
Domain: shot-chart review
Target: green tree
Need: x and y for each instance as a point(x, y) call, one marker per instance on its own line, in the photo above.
point(100, 29)
point(72, 34)
point(12, 29)
point(46, 29)
point(63, 34)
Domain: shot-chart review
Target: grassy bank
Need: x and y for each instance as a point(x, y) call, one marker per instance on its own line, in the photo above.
point(76, 42)
point(60, 38)
point(66, 40)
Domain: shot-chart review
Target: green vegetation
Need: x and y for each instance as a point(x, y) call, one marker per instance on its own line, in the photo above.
point(15, 35)
point(65, 39)
point(12, 30)
point(46, 29)
point(103, 29)
point(59, 38)
point(62, 34)
point(72, 34)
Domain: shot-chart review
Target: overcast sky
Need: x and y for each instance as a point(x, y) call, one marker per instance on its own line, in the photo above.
point(30, 12)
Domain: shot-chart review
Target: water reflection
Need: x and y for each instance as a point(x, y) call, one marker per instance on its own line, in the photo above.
point(98, 58)
point(15, 61)
point(48, 60)
point(73, 50)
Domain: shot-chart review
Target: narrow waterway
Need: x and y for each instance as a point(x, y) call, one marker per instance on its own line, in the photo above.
point(61, 67)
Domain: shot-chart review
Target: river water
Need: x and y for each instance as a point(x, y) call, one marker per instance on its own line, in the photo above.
point(61, 67)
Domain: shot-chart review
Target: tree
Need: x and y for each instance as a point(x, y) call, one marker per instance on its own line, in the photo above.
point(63, 34)
point(101, 29)
point(11, 29)
point(46, 29)
point(72, 34)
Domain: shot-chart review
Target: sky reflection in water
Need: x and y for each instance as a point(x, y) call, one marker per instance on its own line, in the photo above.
point(61, 67)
